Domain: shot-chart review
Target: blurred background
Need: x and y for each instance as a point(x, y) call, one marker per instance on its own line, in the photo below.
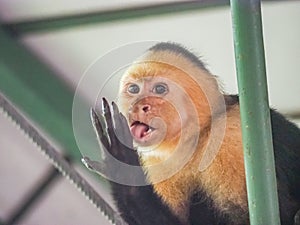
point(46, 46)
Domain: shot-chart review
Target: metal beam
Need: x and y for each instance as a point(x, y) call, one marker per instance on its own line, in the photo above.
point(37, 91)
point(255, 112)
point(69, 21)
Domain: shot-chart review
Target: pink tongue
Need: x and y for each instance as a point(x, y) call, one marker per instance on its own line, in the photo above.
point(139, 130)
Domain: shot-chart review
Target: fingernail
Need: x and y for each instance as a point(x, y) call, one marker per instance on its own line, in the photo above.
point(114, 105)
point(105, 105)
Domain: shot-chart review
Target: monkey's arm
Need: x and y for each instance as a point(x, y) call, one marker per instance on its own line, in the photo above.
point(138, 205)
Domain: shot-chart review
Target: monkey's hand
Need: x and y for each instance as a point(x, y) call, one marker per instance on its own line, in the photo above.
point(114, 135)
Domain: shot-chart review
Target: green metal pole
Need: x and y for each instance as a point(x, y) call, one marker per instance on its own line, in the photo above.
point(255, 112)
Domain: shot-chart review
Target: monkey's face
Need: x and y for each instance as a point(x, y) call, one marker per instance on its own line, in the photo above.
point(153, 117)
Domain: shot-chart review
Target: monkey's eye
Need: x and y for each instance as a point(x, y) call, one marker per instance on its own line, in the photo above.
point(133, 89)
point(160, 89)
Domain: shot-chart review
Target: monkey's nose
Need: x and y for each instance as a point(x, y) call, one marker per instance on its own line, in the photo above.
point(146, 108)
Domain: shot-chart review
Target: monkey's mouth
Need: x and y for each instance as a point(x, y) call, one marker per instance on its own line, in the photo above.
point(140, 131)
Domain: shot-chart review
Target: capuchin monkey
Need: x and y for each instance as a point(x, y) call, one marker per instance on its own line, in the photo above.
point(185, 133)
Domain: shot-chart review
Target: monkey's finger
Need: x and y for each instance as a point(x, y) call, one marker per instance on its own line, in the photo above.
point(108, 118)
point(121, 127)
point(99, 129)
point(126, 134)
point(96, 122)
point(117, 122)
point(116, 115)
